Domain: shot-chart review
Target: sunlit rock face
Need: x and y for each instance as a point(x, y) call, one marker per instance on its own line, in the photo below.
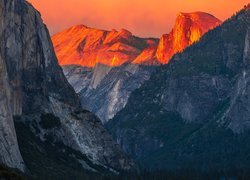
point(189, 28)
point(84, 46)
point(147, 57)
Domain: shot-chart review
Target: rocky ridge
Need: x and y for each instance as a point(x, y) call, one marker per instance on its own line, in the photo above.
point(102, 65)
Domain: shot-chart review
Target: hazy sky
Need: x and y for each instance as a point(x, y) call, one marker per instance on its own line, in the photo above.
point(142, 17)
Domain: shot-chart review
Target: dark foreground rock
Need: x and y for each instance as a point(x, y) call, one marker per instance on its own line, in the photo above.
point(34, 90)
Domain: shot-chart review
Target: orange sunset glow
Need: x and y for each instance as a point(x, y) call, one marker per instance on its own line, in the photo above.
point(146, 18)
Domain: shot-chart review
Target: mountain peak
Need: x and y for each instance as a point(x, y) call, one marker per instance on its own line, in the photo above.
point(195, 13)
point(81, 45)
point(247, 7)
point(189, 27)
point(78, 28)
point(125, 32)
point(201, 18)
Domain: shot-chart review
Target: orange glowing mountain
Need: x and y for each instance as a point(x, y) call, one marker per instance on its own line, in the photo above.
point(189, 27)
point(81, 45)
point(84, 46)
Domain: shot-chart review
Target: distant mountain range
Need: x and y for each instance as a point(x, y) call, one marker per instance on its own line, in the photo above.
point(193, 113)
point(104, 67)
point(84, 46)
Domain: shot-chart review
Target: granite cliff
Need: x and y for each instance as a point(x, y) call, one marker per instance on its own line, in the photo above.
point(36, 96)
point(188, 29)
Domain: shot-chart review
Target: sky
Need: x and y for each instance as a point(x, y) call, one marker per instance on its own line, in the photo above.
point(144, 18)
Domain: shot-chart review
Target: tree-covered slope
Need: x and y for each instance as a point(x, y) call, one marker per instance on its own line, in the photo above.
point(194, 112)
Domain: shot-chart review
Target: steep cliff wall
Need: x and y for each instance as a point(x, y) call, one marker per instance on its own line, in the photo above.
point(35, 91)
point(188, 28)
